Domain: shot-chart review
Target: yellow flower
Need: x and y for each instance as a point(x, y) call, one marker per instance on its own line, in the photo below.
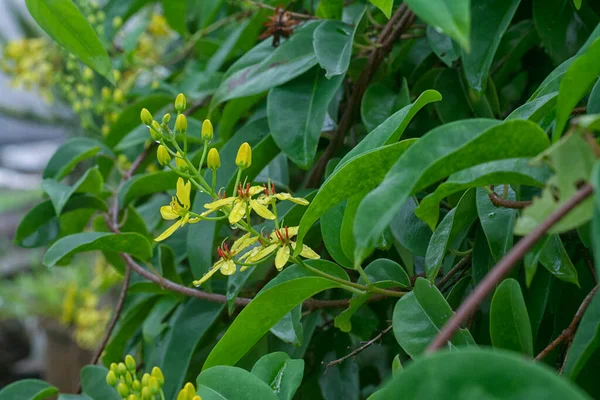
point(280, 241)
point(239, 204)
point(226, 262)
point(271, 194)
point(178, 209)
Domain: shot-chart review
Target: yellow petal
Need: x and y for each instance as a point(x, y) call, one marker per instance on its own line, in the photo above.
point(262, 253)
point(170, 230)
point(183, 192)
point(291, 232)
point(228, 267)
point(210, 273)
point(194, 220)
point(242, 243)
point(307, 252)
point(185, 219)
point(250, 253)
point(168, 213)
point(282, 257)
point(261, 210)
point(287, 196)
point(220, 203)
point(255, 189)
point(238, 211)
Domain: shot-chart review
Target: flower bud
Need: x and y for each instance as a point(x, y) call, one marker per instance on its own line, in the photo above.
point(153, 385)
point(157, 373)
point(180, 102)
point(122, 369)
point(128, 378)
point(146, 117)
point(88, 74)
point(117, 22)
point(130, 363)
point(190, 390)
point(163, 156)
point(181, 123)
point(196, 397)
point(114, 368)
point(106, 95)
point(244, 156)
point(118, 96)
point(166, 118)
point(214, 160)
point(146, 393)
point(153, 134)
point(145, 379)
point(111, 378)
point(133, 397)
point(136, 385)
point(207, 130)
point(123, 390)
point(156, 126)
point(180, 163)
point(182, 395)
point(117, 75)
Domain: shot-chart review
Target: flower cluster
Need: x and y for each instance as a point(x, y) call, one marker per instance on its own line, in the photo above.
point(238, 208)
point(123, 377)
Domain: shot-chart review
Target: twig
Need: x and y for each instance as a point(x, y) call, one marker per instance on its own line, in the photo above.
point(569, 333)
point(268, 7)
point(579, 110)
point(360, 349)
point(500, 202)
point(399, 22)
point(503, 267)
point(459, 266)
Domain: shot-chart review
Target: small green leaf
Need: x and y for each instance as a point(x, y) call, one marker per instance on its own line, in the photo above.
point(131, 243)
point(593, 104)
point(384, 5)
point(93, 383)
point(231, 383)
point(442, 45)
point(386, 273)
point(509, 322)
point(153, 325)
point(63, 21)
point(281, 373)
point(471, 374)
point(555, 259)
point(342, 320)
point(28, 389)
point(60, 193)
point(497, 222)
point(175, 14)
point(453, 224)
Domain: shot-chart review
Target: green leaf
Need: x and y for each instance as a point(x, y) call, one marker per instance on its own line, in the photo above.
point(497, 222)
point(540, 110)
point(330, 9)
point(442, 46)
point(263, 68)
point(576, 83)
point(451, 227)
point(281, 373)
point(489, 22)
point(260, 315)
point(331, 227)
point(516, 171)
point(231, 383)
point(28, 389)
point(93, 383)
point(333, 40)
point(143, 185)
point(386, 273)
point(392, 128)
point(412, 233)
point(63, 21)
point(131, 243)
point(175, 14)
point(452, 17)
point(442, 151)
point(60, 193)
point(586, 341)
point(516, 42)
point(509, 322)
point(72, 152)
point(472, 374)
point(297, 130)
point(456, 294)
point(343, 320)
point(420, 315)
point(455, 105)
point(377, 104)
point(153, 324)
point(593, 104)
point(384, 5)
point(348, 181)
point(555, 259)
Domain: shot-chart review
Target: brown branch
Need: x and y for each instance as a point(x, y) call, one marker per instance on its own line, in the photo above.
point(569, 333)
point(399, 22)
point(360, 349)
point(463, 263)
point(495, 276)
point(268, 7)
point(579, 110)
point(500, 202)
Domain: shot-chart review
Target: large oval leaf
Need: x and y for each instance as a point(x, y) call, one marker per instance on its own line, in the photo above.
point(29, 389)
point(436, 155)
point(473, 374)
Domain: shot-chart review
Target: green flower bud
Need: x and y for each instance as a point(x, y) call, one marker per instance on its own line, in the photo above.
point(214, 160)
point(145, 379)
point(190, 390)
point(153, 385)
point(180, 102)
point(118, 96)
point(136, 385)
point(114, 368)
point(157, 373)
point(111, 378)
point(163, 156)
point(207, 130)
point(145, 115)
point(244, 156)
point(122, 369)
point(196, 397)
point(182, 395)
point(100, 15)
point(117, 22)
point(133, 397)
point(146, 394)
point(130, 363)
point(128, 378)
point(181, 123)
point(123, 390)
point(166, 118)
point(182, 166)
point(88, 74)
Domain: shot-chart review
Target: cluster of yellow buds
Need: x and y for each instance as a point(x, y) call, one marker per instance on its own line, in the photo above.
point(153, 41)
point(188, 393)
point(123, 377)
point(80, 309)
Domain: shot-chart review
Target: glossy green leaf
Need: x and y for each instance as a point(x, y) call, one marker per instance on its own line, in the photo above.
point(297, 130)
point(330, 9)
point(281, 373)
point(143, 185)
point(519, 38)
point(263, 68)
point(455, 105)
point(576, 83)
point(451, 227)
point(333, 40)
point(331, 227)
point(377, 104)
point(540, 110)
point(456, 294)
point(63, 21)
point(72, 152)
point(593, 104)
point(509, 322)
point(131, 243)
point(392, 128)
point(346, 181)
point(516, 171)
point(442, 151)
point(385, 273)
point(555, 259)
point(260, 315)
point(343, 320)
point(412, 233)
point(586, 341)
point(443, 46)
point(28, 389)
point(60, 193)
point(93, 383)
point(472, 374)
point(346, 229)
point(497, 222)
point(231, 383)
point(452, 17)
point(384, 5)
point(153, 325)
point(420, 315)
point(489, 22)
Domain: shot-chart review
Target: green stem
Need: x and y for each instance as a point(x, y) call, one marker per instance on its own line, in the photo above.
point(361, 271)
point(505, 192)
point(460, 253)
point(488, 190)
point(325, 275)
point(204, 152)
